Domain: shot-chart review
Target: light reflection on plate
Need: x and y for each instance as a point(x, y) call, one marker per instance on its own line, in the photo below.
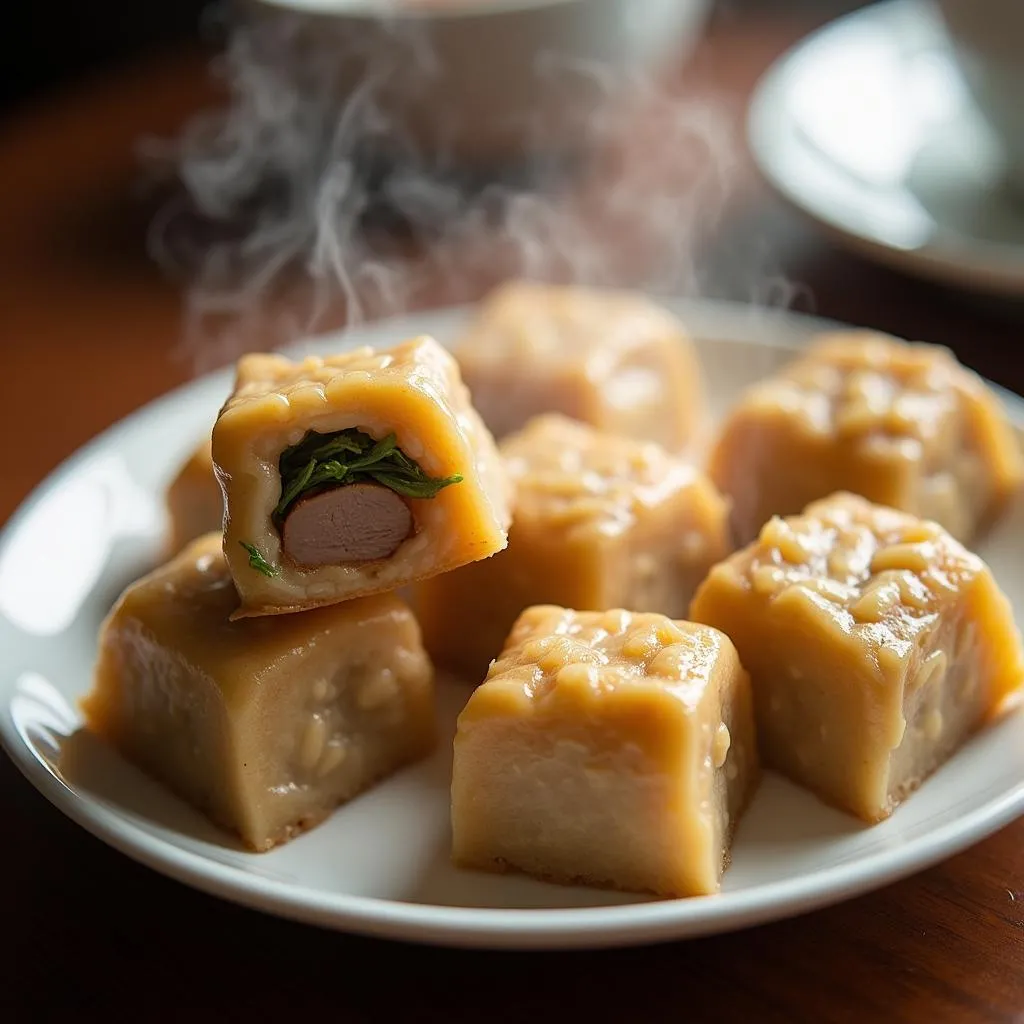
point(69, 538)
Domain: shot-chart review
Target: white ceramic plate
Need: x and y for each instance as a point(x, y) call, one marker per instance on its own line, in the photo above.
point(380, 865)
point(866, 127)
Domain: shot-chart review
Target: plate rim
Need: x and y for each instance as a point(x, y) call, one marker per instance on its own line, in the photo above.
point(622, 925)
point(489, 927)
point(950, 257)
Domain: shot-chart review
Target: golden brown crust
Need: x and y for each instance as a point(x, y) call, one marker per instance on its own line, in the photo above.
point(412, 391)
point(901, 423)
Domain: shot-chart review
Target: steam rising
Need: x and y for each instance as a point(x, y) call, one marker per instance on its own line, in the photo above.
point(307, 205)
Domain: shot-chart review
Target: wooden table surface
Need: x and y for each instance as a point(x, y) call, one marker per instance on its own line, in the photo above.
point(90, 330)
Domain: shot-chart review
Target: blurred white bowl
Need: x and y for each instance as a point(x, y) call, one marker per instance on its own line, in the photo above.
point(988, 43)
point(481, 82)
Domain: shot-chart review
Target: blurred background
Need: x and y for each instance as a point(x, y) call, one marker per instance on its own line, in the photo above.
point(53, 45)
point(173, 193)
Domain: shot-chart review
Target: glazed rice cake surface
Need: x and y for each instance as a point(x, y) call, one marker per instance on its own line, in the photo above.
point(876, 644)
point(435, 501)
point(599, 522)
point(609, 748)
point(613, 359)
point(194, 501)
point(902, 424)
point(264, 724)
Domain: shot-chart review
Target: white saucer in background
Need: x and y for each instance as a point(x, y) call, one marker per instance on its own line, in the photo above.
point(866, 127)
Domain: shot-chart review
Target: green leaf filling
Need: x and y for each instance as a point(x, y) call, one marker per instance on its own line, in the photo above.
point(321, 461)
point(257, 561)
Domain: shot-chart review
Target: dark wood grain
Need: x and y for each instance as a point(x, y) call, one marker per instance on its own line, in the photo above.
point(90, 332)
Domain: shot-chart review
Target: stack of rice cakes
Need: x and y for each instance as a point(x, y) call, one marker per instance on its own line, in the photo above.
point(635, 668)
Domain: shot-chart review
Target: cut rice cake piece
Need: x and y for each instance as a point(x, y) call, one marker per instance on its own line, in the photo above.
point(611, 358)
point(353, 475)
point(600, 521)
point(268, 724)
point(609, 748)
point(876, 645)
point(902, 424)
